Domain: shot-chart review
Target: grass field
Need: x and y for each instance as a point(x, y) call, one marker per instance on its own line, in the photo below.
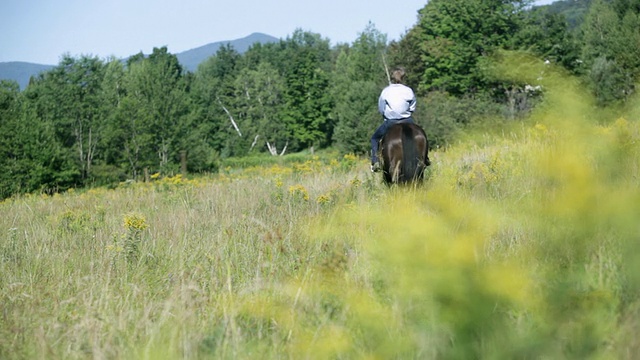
point(521, 243)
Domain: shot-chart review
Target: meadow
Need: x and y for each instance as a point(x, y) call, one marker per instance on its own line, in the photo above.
point(523, 242)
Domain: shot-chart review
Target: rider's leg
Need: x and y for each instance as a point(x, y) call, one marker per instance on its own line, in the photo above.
point(375, 141)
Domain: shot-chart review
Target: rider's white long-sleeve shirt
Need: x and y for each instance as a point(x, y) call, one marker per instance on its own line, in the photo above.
point(397, 101)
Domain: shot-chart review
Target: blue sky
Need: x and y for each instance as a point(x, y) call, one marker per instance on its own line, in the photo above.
point(40, 31)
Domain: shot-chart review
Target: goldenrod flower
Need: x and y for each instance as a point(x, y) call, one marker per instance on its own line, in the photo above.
point(299, 190)
point(323, 199)
point(135, 222)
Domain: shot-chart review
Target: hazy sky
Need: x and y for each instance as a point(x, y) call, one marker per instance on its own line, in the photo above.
point(40, 31)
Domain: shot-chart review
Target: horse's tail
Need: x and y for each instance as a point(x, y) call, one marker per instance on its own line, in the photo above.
point(410, 155)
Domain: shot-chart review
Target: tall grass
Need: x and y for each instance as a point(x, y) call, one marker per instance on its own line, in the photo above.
point(522, 243)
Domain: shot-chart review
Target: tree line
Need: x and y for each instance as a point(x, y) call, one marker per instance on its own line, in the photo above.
point(91, 121)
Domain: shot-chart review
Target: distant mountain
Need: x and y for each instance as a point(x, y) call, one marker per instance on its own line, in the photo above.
point(190, 59)
point(21, 72)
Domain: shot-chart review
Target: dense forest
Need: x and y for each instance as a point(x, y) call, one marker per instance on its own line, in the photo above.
point(92, 121)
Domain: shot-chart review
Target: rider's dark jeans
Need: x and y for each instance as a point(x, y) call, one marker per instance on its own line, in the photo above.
point(379, 133)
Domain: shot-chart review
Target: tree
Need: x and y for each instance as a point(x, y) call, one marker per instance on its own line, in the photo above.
point(306, 67)
point(67, 97)
point(454, 34)
point(213, 97)
point(260, 102)
point(112, 164)
point(32, 156)
point(405, 53)
point(11, 140)
point(166, 92)
point(80, 83)
point(358, 78)
point(153, 112)
point(573, 11)
point(611, 35)
point(545, 34)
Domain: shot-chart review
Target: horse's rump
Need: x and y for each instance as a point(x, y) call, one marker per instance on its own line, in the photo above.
point(404, 153)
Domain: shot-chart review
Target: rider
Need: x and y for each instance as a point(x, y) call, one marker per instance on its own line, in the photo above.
point(396, 104)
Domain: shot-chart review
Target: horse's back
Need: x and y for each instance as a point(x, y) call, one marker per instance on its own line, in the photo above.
point(404, 153)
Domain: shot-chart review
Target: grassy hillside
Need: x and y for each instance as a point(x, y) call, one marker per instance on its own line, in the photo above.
point(522, 243)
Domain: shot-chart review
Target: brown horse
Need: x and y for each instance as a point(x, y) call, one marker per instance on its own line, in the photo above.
point(404, 153)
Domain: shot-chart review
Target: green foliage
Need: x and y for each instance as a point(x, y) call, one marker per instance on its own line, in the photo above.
point(160, 99)
point(212, 92)
point(260, 97)
point(574, 12)
point(445, 117)
point(306, 70)
point(10, 143)
point(66, 101)
point(73, 87)
point(35, 159)
point(544, 33)
point(612, 50)
point(454, 35)
point(404, 53)
point(89, 121)
point(359, 76)
point(608, 79)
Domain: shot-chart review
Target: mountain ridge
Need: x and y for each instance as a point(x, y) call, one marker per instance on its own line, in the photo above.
point(190, 59)
point(22, 71)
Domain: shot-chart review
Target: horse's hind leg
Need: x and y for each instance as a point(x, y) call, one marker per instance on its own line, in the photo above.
point(396, 171)
point(420, 170)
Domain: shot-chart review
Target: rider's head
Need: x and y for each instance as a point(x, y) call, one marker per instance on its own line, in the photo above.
point(397, 75)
